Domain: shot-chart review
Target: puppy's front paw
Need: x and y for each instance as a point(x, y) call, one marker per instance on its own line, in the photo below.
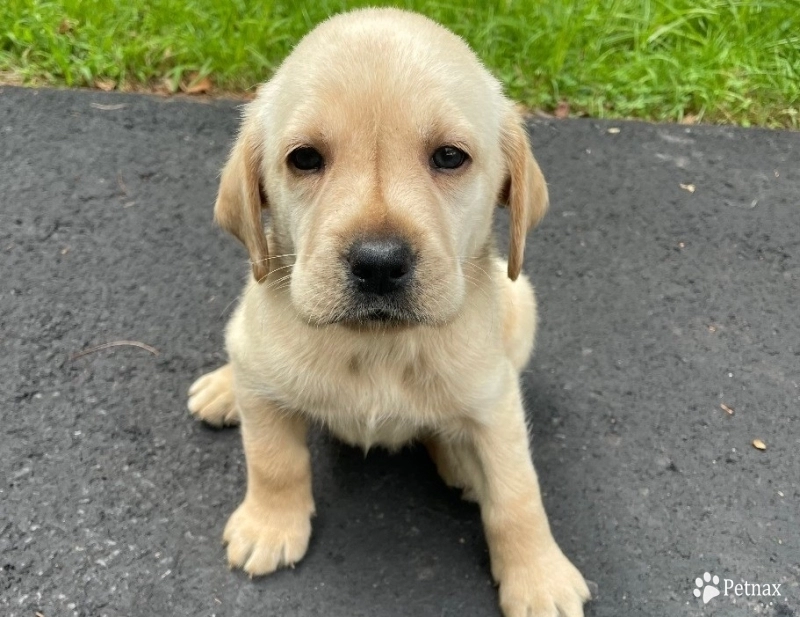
point(211, 398)
point(548, 586)
point(262, 539)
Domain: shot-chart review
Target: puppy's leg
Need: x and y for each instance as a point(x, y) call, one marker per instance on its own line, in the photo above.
point(457, 466)
point(272, 526)
point(536, 579)
point(211, 398)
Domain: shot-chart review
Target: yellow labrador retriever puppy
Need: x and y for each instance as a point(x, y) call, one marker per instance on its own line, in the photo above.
point(378, 306)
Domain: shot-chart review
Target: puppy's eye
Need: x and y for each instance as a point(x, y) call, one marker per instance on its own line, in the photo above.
point(306, 158)
point(448, 157)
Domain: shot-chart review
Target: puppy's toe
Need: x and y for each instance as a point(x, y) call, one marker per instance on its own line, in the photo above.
point(261, 540)
point(549, 586)
point(211, 398)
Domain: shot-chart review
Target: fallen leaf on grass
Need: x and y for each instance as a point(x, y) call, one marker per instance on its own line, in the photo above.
point(201, 86)
point(759, 445)
point(106, 85)
point(66, 26)
point(726, 409)
point(689, 119)
point(562, 110)
point(165, 86)
point(688, 187)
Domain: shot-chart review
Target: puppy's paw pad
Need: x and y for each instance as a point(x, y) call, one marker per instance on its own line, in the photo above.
point(211, 398)
point(549, 587)
point(260, 541)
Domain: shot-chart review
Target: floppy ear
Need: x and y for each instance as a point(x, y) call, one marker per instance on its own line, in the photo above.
point(241, 197)
point(524, 192)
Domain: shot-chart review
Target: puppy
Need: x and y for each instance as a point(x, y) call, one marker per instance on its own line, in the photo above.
point(378, 306)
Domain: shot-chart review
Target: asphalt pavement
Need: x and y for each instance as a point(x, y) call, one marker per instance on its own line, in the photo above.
point(668, 276)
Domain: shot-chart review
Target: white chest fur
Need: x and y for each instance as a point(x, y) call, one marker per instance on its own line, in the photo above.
point(377, 387)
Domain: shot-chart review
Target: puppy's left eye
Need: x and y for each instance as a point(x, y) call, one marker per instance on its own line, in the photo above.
point(448, 157)
point(306, 158)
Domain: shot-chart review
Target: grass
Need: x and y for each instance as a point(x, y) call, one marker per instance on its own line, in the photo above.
point(730, 61)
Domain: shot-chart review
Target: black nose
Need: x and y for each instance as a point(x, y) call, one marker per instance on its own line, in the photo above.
point(381, 266)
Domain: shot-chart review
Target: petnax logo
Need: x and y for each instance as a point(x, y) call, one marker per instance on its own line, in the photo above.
point(710, 586)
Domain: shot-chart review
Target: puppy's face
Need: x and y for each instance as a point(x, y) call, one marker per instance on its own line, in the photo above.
point(380, 146)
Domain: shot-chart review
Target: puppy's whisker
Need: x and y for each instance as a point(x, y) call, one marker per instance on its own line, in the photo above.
point(268, 257)
point(274, 284)
point(484, 272)
point(313, 312)
point(274, 270)
point(250, 288)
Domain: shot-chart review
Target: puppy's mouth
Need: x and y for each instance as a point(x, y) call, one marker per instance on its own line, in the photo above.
point(378, 314)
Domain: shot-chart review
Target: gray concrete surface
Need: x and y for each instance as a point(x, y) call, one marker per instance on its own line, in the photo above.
point(658, 305)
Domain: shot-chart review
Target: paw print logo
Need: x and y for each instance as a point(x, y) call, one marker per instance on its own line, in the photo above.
point(706, 587)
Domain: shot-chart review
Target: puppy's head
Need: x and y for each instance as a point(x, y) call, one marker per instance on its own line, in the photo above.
point(380, 147)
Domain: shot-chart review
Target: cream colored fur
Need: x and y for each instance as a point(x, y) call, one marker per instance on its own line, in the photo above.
point(376, 91)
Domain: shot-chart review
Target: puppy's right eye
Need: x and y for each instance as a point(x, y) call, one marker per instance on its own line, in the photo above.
point(448, 157)
point(306, 158)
